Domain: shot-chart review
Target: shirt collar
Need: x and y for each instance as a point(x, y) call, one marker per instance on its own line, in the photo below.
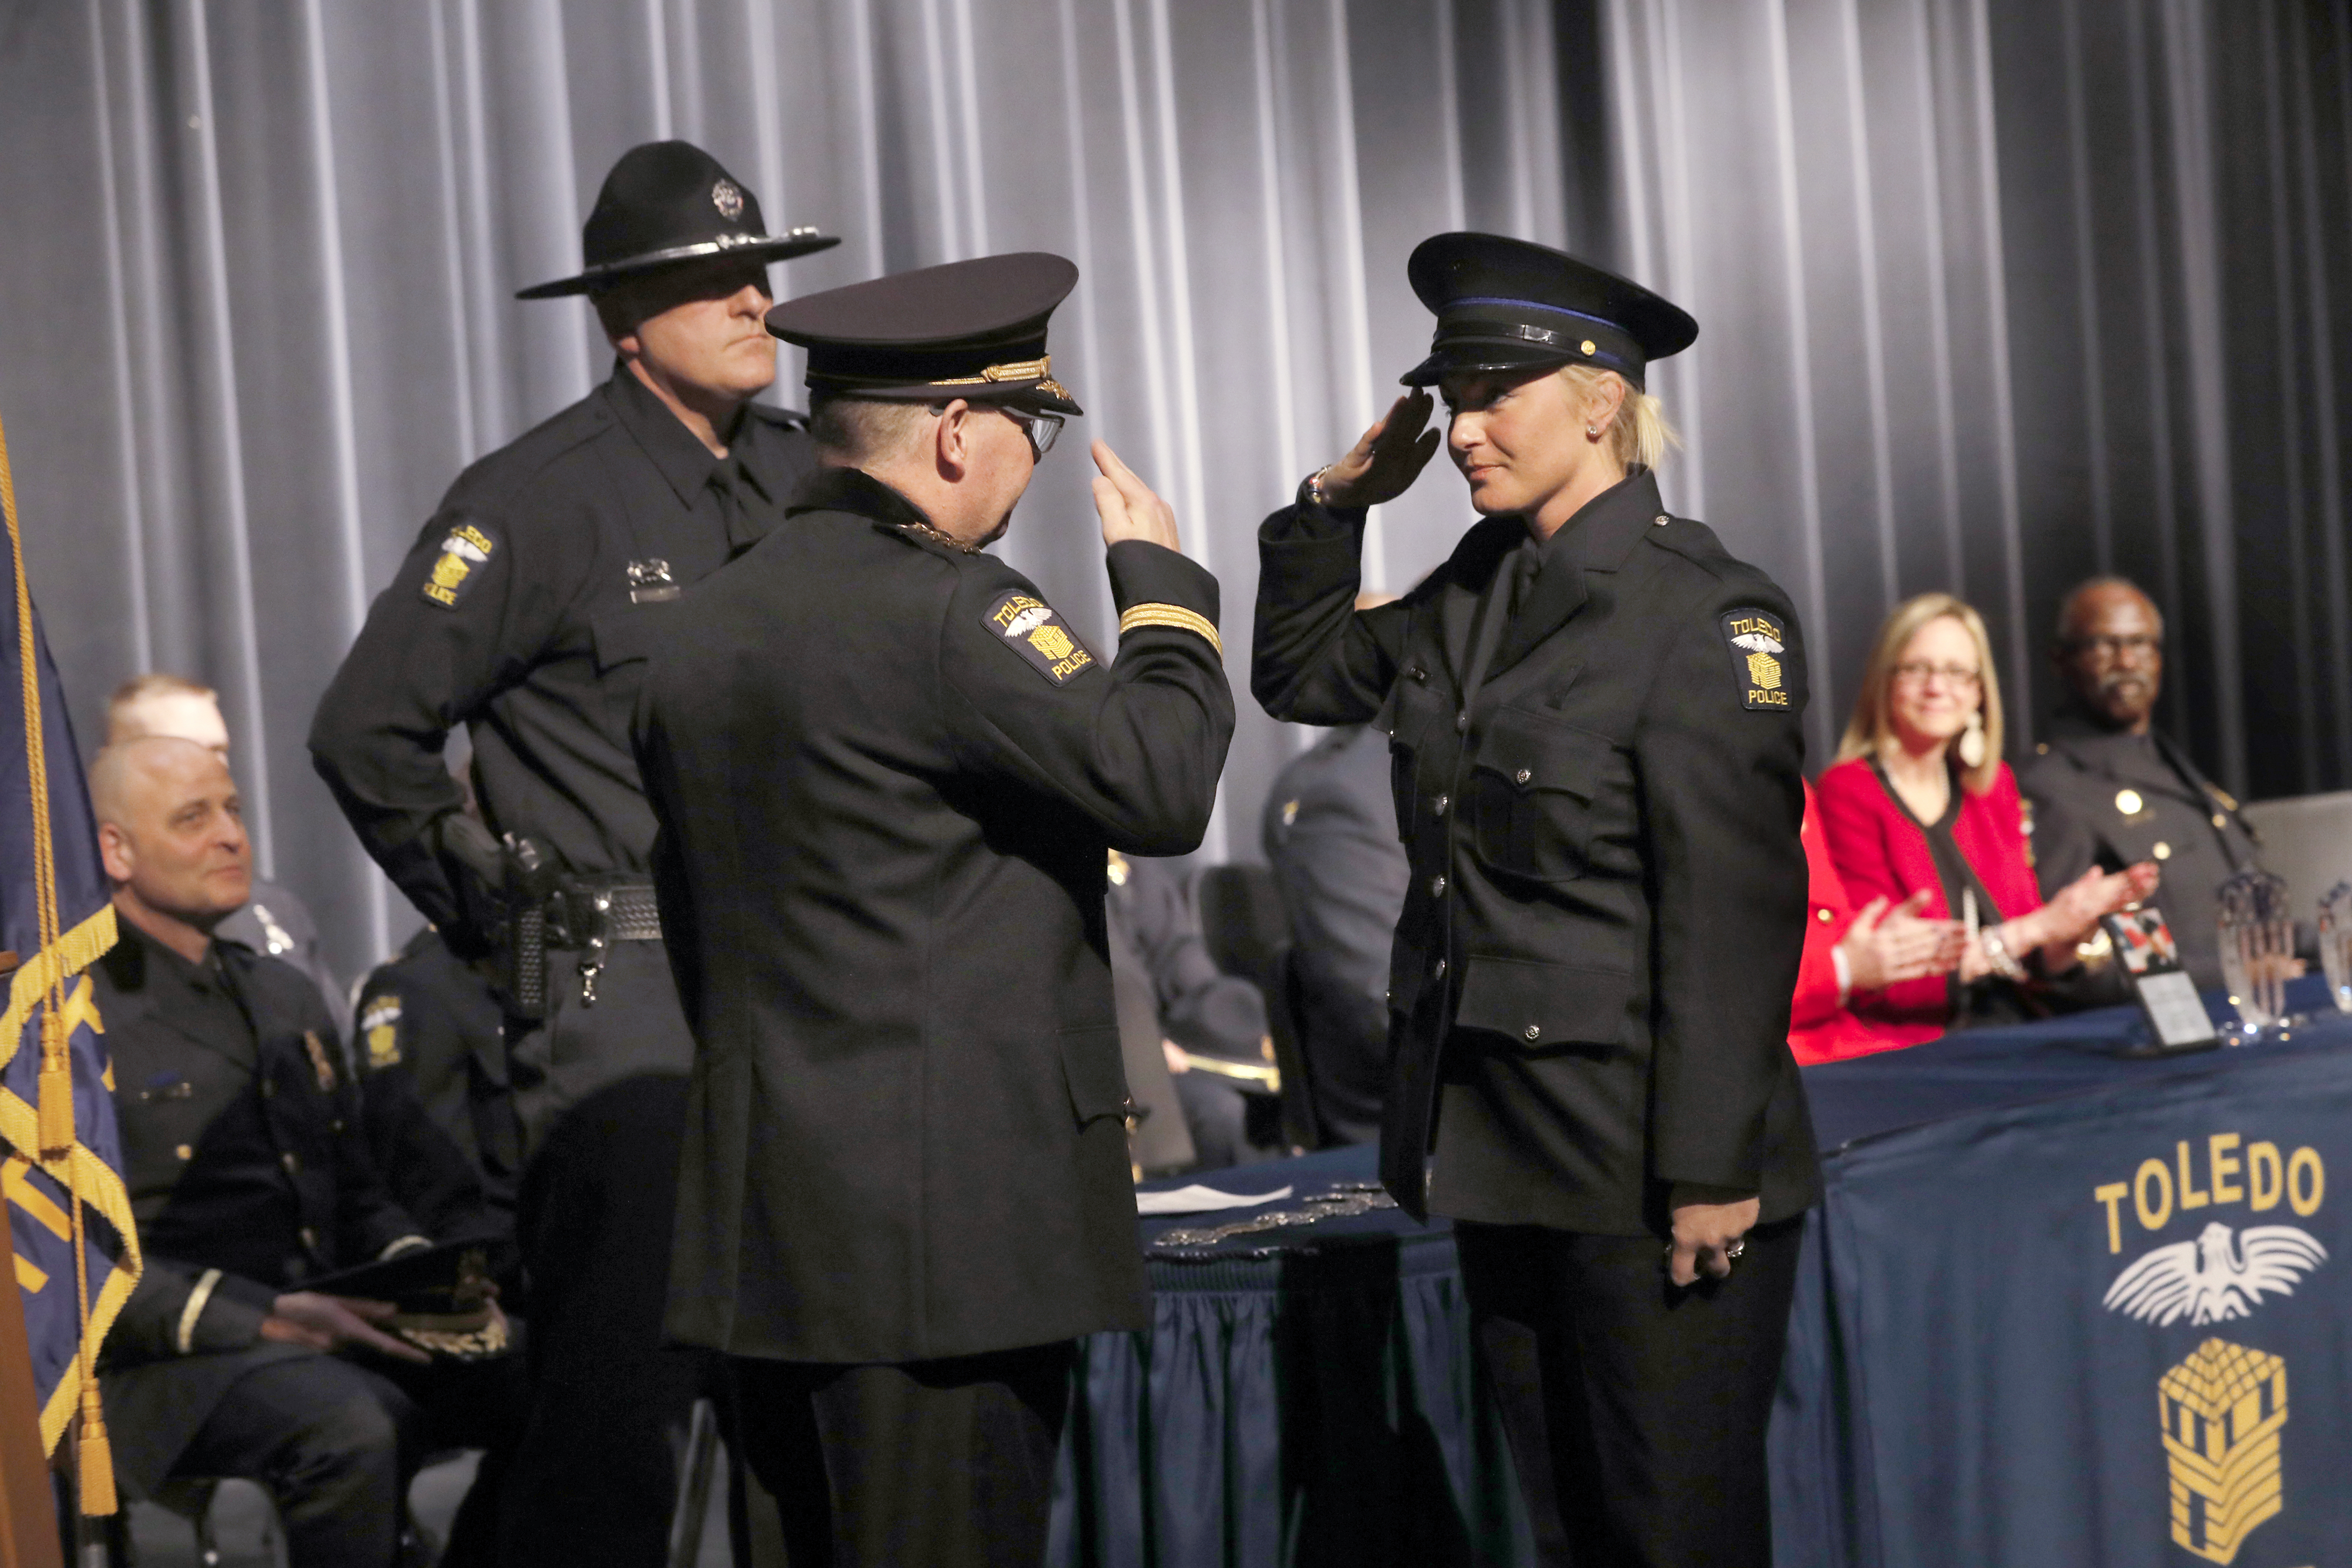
point(677, 453)
point(854, 491)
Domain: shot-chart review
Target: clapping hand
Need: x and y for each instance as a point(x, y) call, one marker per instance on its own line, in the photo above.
point(1885, 946)
point(1387, 459)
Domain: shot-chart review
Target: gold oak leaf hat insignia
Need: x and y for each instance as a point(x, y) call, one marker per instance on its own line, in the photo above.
point(666, 203)
point(973, 330)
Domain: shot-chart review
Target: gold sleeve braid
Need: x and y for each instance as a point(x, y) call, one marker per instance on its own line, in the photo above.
point(185, 1339)
point(1175, 617)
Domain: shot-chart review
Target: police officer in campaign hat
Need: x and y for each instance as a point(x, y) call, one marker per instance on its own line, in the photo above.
point(1593, 712)
point(521, 614)
point(2109, 789)
point(889, 775)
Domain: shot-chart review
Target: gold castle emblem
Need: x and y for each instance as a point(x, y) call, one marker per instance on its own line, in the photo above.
point(1764, 670)
point(1052, 641)
point(2222, 1409)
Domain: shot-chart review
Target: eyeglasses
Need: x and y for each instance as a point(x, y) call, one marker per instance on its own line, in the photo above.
point(1041, 428)
point(2116, 647)
point(1920, 672)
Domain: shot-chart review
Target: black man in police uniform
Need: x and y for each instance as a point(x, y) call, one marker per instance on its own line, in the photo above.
point(2109, 789)
point(889, 775)
point(521, 613)
point(1594, 719)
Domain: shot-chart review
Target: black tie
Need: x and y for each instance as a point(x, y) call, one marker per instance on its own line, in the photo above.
point(738, 491)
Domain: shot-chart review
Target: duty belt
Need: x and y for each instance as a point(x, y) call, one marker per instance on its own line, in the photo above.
point(588, 918)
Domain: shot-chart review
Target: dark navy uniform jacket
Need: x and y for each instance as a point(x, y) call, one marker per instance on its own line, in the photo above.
point(888, 777)
point(2079, 781)
point(247, 1170)
point(1607, 910)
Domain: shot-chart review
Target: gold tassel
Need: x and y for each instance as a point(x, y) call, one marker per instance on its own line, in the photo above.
point(56, 1090)
point(95, 1457)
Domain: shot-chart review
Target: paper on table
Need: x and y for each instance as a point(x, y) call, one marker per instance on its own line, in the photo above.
point(1202, 1200)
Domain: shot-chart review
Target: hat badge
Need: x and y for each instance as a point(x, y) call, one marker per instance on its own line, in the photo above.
point(727, 198)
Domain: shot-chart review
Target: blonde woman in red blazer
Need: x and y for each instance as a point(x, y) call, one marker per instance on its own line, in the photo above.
point(1919, 801)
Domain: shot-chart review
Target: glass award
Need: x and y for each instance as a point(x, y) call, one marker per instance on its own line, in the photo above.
point(2257, 945)
point(2165, 992)
point(2335, 945)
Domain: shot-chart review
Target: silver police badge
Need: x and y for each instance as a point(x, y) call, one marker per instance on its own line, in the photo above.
point(728, 199)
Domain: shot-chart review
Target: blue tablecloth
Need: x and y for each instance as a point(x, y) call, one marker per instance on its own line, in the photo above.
point(1956, 1391)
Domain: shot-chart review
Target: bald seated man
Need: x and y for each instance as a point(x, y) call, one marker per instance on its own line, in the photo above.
point(2109, 789)
point(272, 920)
point(249, 1175)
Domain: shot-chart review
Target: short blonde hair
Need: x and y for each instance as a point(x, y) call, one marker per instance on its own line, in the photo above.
point(1639, 435)
point(1873, 723)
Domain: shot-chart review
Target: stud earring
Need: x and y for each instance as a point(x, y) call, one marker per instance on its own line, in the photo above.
point(1592, 430)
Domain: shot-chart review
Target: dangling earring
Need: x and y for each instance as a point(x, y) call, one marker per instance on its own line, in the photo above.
point(1972, 743)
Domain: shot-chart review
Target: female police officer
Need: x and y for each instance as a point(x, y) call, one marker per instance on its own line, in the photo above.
point(1593, 712)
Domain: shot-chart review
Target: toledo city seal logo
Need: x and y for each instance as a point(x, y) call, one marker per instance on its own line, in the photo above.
point(727, 198)
point(2222, 1409)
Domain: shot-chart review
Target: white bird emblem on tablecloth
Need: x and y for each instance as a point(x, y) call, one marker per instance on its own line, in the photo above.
point(2216, 1277)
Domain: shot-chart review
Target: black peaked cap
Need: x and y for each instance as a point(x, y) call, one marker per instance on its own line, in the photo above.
point(1508, 304)
point(668, 202)
point(973, 330)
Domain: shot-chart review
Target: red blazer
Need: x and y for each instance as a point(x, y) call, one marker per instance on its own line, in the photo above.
point(1820, 1028)
point(1879, 850)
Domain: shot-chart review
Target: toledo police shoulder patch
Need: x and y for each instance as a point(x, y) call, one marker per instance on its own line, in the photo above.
point(1030, 628)
point(380, 1028)
point(1756, 640)
point(465, 554)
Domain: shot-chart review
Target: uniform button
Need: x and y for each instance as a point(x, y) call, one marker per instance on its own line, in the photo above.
point(2163, 850)
point(2219, 820)
point(1522, 776)
point(184, 1152)
point(1417, 673)
point(1661, 519)
point(292, 1162)
point(268, 1089)
point(1534, 1030)
point(1437, 969)
point(1437, 886)
point(309, 1238)
point(1462, 722)
point(1439, 806)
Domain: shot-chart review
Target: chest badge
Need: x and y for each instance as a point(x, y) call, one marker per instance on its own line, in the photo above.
point(322, 1063)
point(650, 582)
point(1756, 640)
point(465, 552)
point(1029, 626)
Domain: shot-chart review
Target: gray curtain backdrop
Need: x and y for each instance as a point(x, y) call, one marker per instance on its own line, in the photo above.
point(1994, 293)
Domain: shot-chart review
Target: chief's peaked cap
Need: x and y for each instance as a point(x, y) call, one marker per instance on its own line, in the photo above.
point(971, 329)
point(668, 202)
point(1508, 304)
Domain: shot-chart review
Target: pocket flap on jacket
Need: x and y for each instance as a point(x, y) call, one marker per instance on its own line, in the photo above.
point(1544, 756)
point(621, 636)
point(1096, 1075)
point(1540, 1004)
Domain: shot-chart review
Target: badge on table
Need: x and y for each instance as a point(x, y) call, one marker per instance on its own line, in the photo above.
point(464, 552)
point(2163, 989)
point(1756, 640)
point(1031, 629)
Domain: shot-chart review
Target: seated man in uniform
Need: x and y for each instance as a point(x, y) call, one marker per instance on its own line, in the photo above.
point(2108, 789)
point(247, 1180)
point(273, 919)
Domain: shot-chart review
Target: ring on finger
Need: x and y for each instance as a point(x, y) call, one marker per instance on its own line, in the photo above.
point(1737, 1244)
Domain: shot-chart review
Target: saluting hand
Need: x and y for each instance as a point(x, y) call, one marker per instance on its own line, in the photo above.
point(1387, 459)
point(1129, 508)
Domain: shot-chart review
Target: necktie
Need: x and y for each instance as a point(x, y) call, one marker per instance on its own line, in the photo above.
point(738, 493)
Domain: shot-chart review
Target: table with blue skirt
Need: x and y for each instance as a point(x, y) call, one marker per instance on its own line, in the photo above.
point(2062, 1302)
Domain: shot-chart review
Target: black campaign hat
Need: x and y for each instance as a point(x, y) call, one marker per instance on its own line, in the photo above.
point(668, 202)
point(973, 330)
point(1507, 304)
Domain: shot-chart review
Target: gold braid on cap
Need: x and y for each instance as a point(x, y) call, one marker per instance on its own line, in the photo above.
point(1175, 616)
point(1039, 369)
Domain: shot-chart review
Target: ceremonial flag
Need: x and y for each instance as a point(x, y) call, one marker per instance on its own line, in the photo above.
point(76, 1252)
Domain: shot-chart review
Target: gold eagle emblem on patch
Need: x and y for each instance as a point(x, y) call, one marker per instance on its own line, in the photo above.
point(380, 1028)
point(1756, 639)
point(1028, 626)
point(465, 552)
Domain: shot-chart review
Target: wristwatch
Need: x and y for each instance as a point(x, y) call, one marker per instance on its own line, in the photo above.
point(2003, 963)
